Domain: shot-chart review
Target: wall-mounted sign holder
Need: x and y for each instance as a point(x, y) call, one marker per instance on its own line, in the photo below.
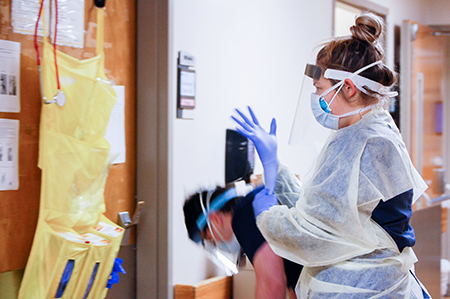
point(186, 85)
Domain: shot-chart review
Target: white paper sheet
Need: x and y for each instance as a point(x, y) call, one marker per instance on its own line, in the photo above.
point(70, 23)
point(115, 133)
point(70, 20)
point(9, 76)
point(25, 14)
point(9, 154)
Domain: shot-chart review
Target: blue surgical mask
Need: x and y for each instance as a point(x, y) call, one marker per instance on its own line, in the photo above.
point(324, 116)
point(327, 119)
point(231, 246)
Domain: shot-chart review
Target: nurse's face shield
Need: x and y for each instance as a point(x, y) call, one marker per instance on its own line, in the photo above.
point(313, 71)
point(305, 128)
point(224, 259)
point(306, 131)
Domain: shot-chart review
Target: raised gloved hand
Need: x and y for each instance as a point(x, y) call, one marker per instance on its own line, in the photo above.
point(263, 201)
point(265, 143)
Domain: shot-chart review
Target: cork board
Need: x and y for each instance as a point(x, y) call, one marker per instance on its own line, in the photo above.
point(19, 209)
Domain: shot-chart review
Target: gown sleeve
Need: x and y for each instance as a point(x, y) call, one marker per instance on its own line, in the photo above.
point(328, 224)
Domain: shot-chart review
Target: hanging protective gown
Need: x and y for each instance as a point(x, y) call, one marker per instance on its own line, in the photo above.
point(75, 245)
point(330, 231)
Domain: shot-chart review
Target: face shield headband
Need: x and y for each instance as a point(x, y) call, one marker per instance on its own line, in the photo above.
point(219, 202)
point(314, 72)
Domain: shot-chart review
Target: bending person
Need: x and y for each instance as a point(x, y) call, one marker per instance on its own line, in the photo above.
point(229, 224)
point(350, 228)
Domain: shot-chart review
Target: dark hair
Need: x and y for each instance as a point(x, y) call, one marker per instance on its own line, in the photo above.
point(358, 50)
point(192, 209)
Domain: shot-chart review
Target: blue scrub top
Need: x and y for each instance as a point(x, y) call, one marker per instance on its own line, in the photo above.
point(394, 215)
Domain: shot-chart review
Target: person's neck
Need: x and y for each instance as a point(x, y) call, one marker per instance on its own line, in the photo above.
point(352, 119)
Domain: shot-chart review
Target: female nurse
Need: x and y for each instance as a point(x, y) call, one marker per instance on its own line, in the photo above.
point(350, 227)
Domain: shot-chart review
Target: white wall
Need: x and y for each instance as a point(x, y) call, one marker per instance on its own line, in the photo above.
point(400, 10)
point(438, 12)
point(248, 53)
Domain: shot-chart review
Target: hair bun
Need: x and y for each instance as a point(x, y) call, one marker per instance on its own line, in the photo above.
point(368, 27)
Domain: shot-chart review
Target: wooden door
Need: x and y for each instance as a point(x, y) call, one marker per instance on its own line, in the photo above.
point(424, 98)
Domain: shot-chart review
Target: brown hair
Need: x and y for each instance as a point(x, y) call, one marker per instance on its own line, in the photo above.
point(358, 50)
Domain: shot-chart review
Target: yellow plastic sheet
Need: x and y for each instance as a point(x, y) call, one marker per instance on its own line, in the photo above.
point(75, 245)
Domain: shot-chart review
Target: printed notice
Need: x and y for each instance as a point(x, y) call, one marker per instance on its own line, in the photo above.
point(115, 132)
point(109, 230)
point(187, 80)
point(70, 20)
point(70, 23)
point(25, 14)
point(9, 154)
point(9, 76)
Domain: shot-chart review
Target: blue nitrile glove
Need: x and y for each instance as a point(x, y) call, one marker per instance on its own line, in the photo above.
point(263, 201)
point(265, 143)
point(114, 278)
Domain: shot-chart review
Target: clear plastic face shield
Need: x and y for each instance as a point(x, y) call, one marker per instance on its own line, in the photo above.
point(224, 254)
point(305, 129)
point(314, 118)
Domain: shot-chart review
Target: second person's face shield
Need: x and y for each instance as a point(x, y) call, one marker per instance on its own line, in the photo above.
point(225, 255)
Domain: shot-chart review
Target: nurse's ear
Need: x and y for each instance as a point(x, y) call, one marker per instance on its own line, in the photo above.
point(349, 89)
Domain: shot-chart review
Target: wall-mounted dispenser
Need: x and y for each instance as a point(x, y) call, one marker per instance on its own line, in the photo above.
point(239, 157)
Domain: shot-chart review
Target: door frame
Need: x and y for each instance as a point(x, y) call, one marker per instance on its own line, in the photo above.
point(153, 274)
point(408, 35)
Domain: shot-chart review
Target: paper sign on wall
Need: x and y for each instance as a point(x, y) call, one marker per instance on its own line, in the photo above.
point(25, 14)
point(9, 154)
point(115, 132)
point(70, 20)
point(9, 76)
point(70, 23)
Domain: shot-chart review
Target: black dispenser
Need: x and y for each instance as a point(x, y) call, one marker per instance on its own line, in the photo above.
point(239, 157)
